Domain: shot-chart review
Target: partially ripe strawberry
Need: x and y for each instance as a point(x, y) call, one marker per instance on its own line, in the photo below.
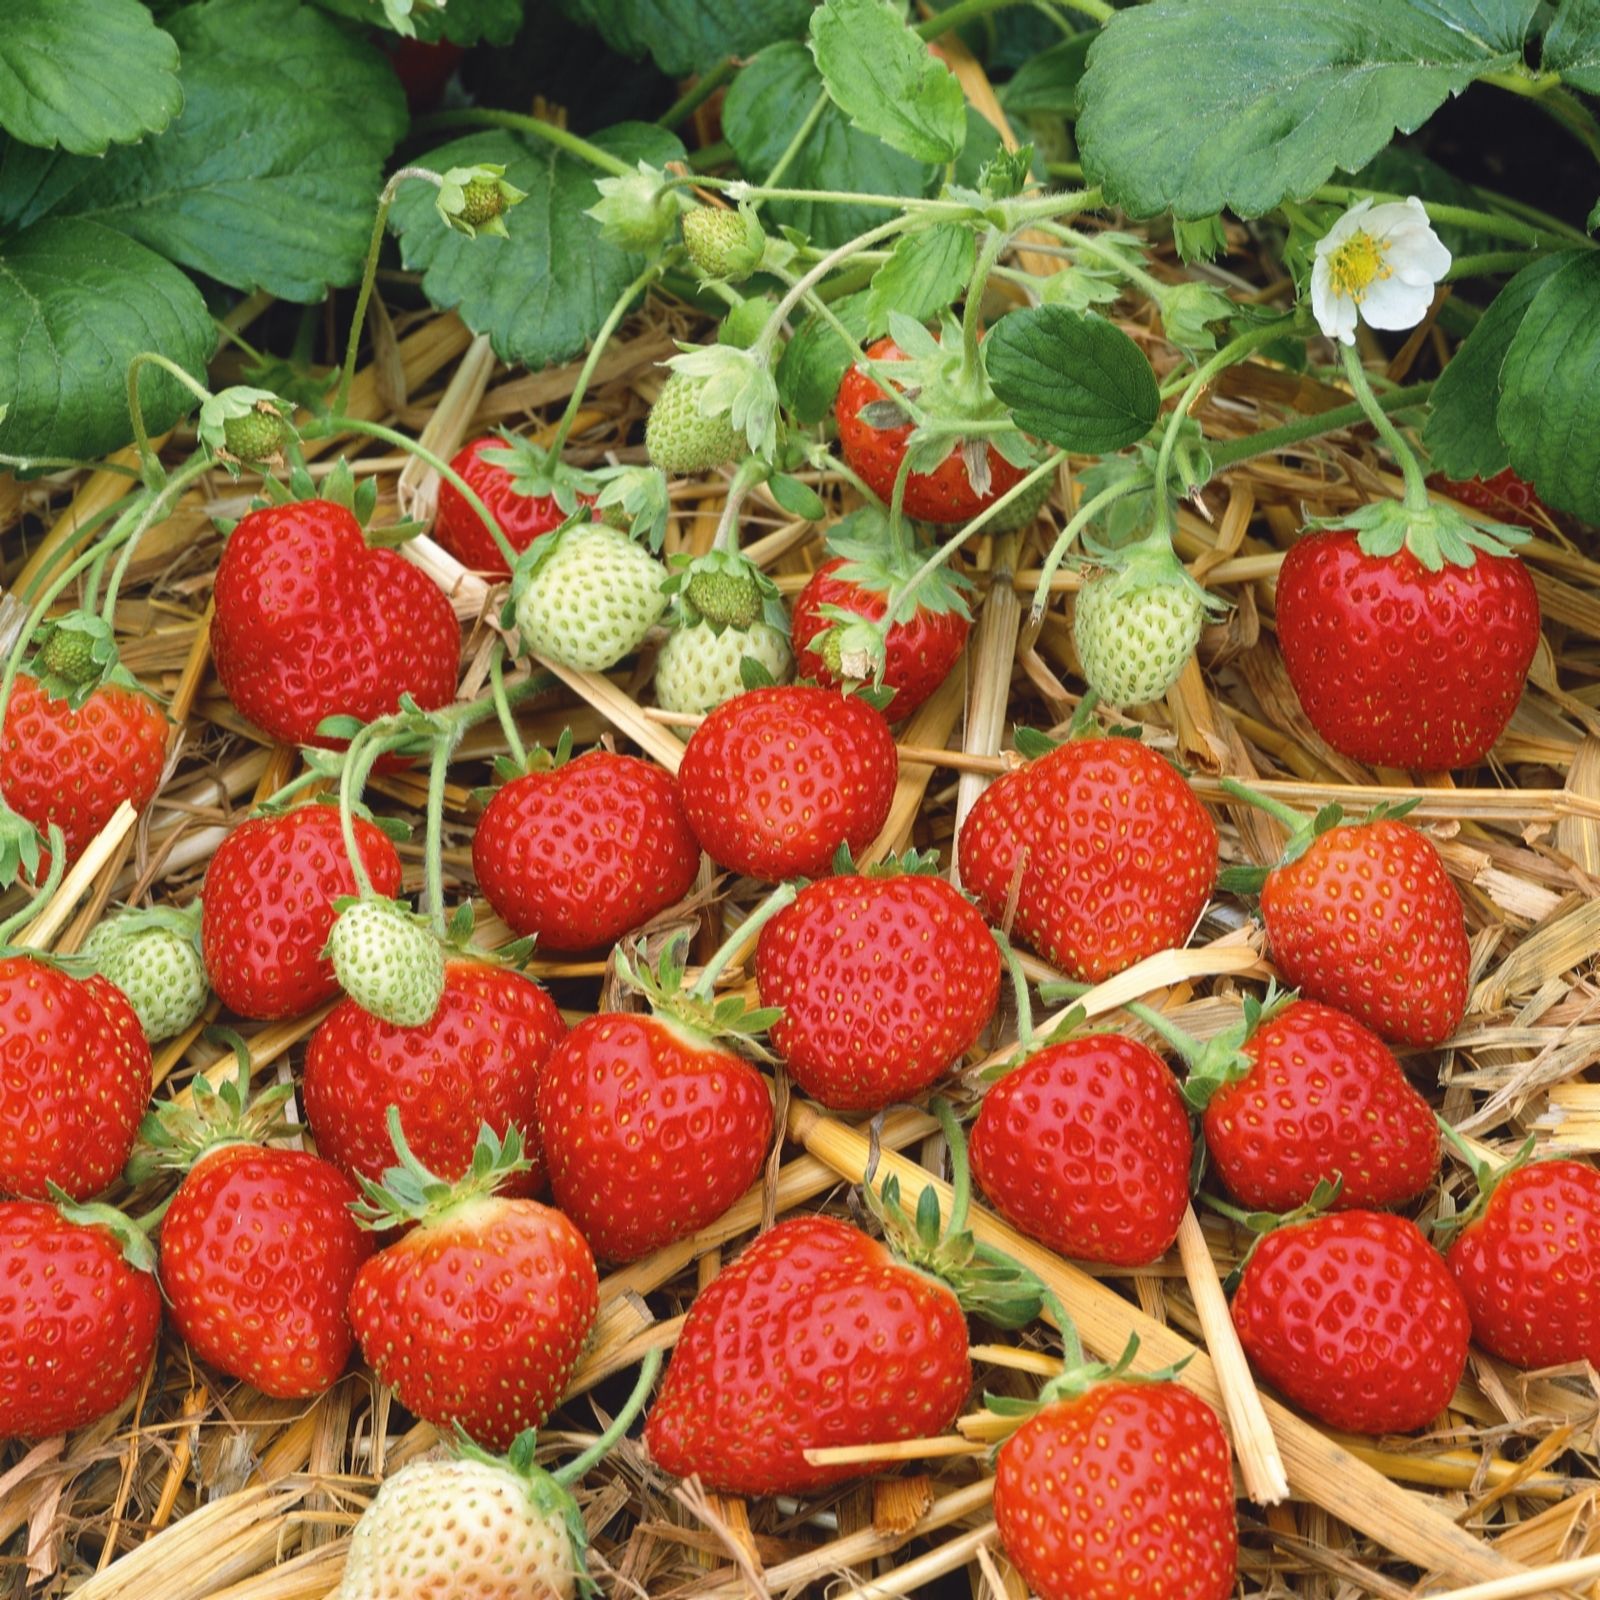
point(388, 961)
point(586, 596)
point(682, 439)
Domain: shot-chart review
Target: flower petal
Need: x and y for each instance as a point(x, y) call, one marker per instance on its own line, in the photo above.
point(1394, 303)
point(1349, 223)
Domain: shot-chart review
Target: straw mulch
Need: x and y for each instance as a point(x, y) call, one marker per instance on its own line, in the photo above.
point(200, 1489)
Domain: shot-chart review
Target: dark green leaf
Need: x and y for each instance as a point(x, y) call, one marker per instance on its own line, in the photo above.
point(886, 80)
point(1572, 45)
point(797, 498)
point(84, 74)
point(927, 272)
point(522, 290)
point(33, 181)
point(1549, 412)
point(77, 303)
point(1048, 84)
point(1075, 381)
point(816, 359)
point(689, 35)
point(1461, 435)
point(268, 178)
point(1197, 105)
point(767, 102)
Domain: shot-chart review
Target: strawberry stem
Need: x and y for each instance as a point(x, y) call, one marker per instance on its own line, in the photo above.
point(502, 705)
point(1019, 988)
point(1080, 518)
point(782, 896)
point(960, 1167)
point(41, 896)
point(151, 514)
point(433, 845)
point(1273, 807)
point(149, 461)
point(970, 382)
point(362, 756)
point(1410, 467)
point(619, 1424)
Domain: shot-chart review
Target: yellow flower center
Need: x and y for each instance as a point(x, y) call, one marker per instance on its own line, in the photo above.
point(1355, 264)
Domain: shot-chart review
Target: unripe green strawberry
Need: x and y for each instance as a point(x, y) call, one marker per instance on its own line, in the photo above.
point(587, 595)
point(256, 437)
point(388, 961)
point(153, 957)
point(724, 244)
point(481, 202)
point(68, 656)
point(1024, 511)
point(728, 599)
point(1137, 625)
point(699, 666)
point(679, 438)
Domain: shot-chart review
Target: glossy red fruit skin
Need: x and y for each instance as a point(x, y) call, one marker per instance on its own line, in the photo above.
point(1367, 920)
point(813, 1337)
point(1121, 857)
point(75, 767)
point(479, 1318)
point(78, 1324)
point(1122, 1493)
point(1528, 1267)
point(75, 1077)
point(311, 623)
point(1504, 498)
point(650, 1131)
point(1086, 1148)
point(479, 1060)
point(875, 454)
point(522, 517)
point(267, 908)
point(1354, 1317)
point(259, 1250)
point(775, 780)
point(1324, 1097)
point(1398, 666)
point(885, 984)
point(585, 853)
point(919, 654)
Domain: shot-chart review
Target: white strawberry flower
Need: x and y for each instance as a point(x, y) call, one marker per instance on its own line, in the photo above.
point(1378, 264)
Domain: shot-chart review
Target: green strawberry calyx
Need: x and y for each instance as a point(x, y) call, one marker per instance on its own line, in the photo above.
point(1149, 564)
point(724, 589)
point(736, 384)
point(535, 475)
point(134, 1242)
point(638, 210)
point(1261, 1223)
point(409, 1192)
point(75, 655)
point(986, 1282)
point(1303, 831)
point(474, 200)
point(1438, 535)
point(19, 853)
point(634, 500)
point(538, 759)
point(697, 1011)
point(389, 960)
point(246, 427)
point(1487, 1175)
point(174, 1136)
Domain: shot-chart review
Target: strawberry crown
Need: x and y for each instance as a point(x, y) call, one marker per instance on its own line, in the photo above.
point(1303, 831)
point(1149, 563)
point(1261, 1223)
point(1030, 743)
point(724, 589)
point(135, 1244)
point(1438, 535)
point(173, 1136)
point(338, 488)
point(410, 1192)
point(538, 759)
point(75, 655)
point(698, 1010)
point(1487, 1175)
point(1078, 1374)
point(537, 474)
point(908, 864)
point(874, 563)
point(986, 1282)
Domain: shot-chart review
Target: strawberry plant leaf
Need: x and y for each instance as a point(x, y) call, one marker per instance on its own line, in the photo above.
point(1047, 84)
point(271, 189)
point(1461, 434)
point(1549, 411)
point(688, 35)
point(1572, 45)
point(84, 74)
point(926, 273)
point(815, 361)
point(1194, 105)
point(521, 290)
point(884, 78)
point(1075, 381)
point(77, 302)
point(462, 22)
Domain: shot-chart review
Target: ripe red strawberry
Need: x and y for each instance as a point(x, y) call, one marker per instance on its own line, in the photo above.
point(1402, 666)
point(919, 650)
point(79, 1315)
point(477, 1315)
point(1302, 1093)
point(885, 980)
point(1086, 1147)
point(947, 494)
point(268, 907)
point(1354, 1317)
point(479, 1060)
point(1524, 1257)
point(775, 780)
point(1113, 855)
point(815, 1336)
point(1121, 1492)
point(312, 623)
point(1363, 916)
point(578, 853)
point(1505, 498)
point(522, 516)
point(73, 765)
point(75, 1075)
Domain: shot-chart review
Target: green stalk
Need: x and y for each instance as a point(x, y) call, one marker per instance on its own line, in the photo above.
point(706, 983)
point(66, 464)
point(193, 468)
point(960, 1168)
point(580, 1464)
point(1232, 451)
point(1079, 520)
point(152, 470)
point(750, 472)
point(41, 896)
point(84, 532)
point(971, 375)
point(433, 847)
point(1274, 807)
point(1087, 244)
point(808, 126)
point(697, 94)
point(965, 11)
point(502, 706)
point(363, 754)
point(1416, 486)
point(1491, 262)
point(481, 117)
